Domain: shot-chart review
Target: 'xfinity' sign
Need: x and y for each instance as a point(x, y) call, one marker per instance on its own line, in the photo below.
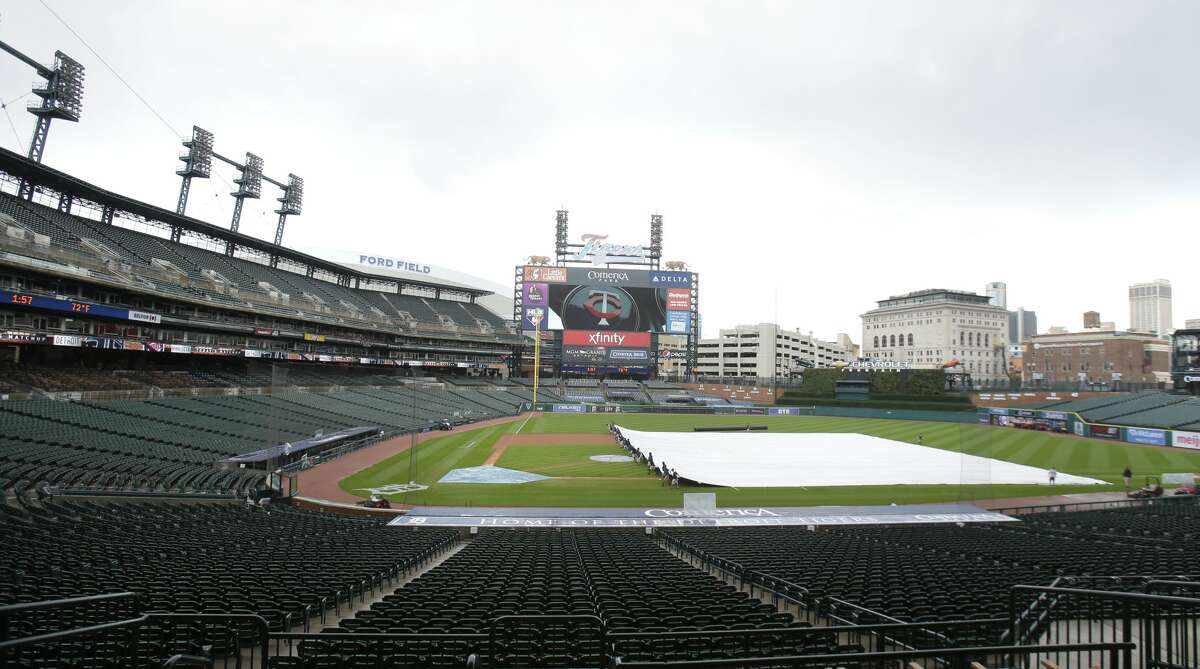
point(599, 253)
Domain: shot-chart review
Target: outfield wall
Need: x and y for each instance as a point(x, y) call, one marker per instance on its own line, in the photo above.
point(1069, 422)
point(1048, 421)
point(727, 410)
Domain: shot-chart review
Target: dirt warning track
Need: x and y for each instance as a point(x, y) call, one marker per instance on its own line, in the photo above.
point(321, 482)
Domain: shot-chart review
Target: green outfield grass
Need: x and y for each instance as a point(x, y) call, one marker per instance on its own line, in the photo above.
point(627, 484)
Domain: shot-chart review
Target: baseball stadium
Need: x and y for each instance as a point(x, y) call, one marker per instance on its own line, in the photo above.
point(221, 451)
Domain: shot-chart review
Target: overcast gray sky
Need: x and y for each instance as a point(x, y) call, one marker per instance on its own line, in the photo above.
point(830, 153)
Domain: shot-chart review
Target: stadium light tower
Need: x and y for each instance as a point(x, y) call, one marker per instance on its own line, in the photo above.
point(249, 186)
point(61, 97)
point(560, 236)
point(197, 163)
point(291, 203)
point(655, 238)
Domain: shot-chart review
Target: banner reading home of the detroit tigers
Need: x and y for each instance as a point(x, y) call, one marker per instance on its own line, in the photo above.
point(719, 517)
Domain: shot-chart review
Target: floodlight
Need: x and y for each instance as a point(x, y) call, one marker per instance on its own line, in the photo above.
point(560, 233)
point(656, 236)
point(197, 162)
point(292, 201)
point(250, 183)
point(62, 96)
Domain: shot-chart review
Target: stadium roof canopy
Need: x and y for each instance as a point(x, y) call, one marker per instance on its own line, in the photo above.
point(49, 178)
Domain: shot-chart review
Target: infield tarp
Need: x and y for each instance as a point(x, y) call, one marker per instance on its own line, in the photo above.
point(766, 460)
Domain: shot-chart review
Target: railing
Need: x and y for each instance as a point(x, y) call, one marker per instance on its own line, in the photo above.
point(27, 616)
point(1165, 629)
point(237, 640)
point(144, 641)
point(532, 631)
point(1077, 655)
point(1171, 505)
point(782, 641)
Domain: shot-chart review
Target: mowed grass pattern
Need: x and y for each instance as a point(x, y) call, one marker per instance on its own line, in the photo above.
point(629, 484)
point(569, 460)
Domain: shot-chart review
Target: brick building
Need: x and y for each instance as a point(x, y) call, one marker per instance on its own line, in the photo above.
point(1094, 357)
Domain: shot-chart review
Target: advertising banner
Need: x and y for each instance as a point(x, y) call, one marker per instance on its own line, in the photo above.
point(594, 348)
point(18, 337)
point(1077, 428)
point(143, 317)
point(599, 338)
point(679, 299)
point(1104, 431)
point(535, 318)
point(1141, 435)
point(535, 295)
point(788, 411)
point(670, 279)
point(679, 322)
point(1054, 415)
point(1186, 440)
point(545, 274)
point(568, 408)
point(66, 340)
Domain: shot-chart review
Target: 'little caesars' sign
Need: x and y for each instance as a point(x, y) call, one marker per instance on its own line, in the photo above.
point(600, 253)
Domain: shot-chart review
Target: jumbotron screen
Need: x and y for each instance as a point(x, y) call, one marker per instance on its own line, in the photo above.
point(623, 300)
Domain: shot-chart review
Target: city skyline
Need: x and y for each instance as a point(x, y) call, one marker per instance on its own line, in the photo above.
point(922, 148)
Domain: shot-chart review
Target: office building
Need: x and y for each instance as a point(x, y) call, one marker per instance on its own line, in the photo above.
point(997, 292)
point(1022, 325)
point(1150, 307)
point(932, 329)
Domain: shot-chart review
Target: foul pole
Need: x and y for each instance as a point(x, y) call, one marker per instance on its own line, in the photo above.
point(537, 353)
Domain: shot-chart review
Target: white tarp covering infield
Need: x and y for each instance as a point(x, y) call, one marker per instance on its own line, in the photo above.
point(799, 459)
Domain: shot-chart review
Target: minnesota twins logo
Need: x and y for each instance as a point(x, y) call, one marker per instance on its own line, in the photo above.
point(591, 307)
point(603, 305)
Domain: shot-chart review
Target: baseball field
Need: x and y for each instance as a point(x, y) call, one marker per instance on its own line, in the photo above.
point(560, 447)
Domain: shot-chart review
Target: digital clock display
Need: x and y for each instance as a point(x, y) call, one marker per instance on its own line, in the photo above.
point(72, 307)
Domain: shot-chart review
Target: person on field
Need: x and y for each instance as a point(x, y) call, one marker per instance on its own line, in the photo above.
point(1128, 476)
point(1053, 475)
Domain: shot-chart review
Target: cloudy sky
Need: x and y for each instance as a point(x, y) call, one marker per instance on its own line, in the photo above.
point(808, 158)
